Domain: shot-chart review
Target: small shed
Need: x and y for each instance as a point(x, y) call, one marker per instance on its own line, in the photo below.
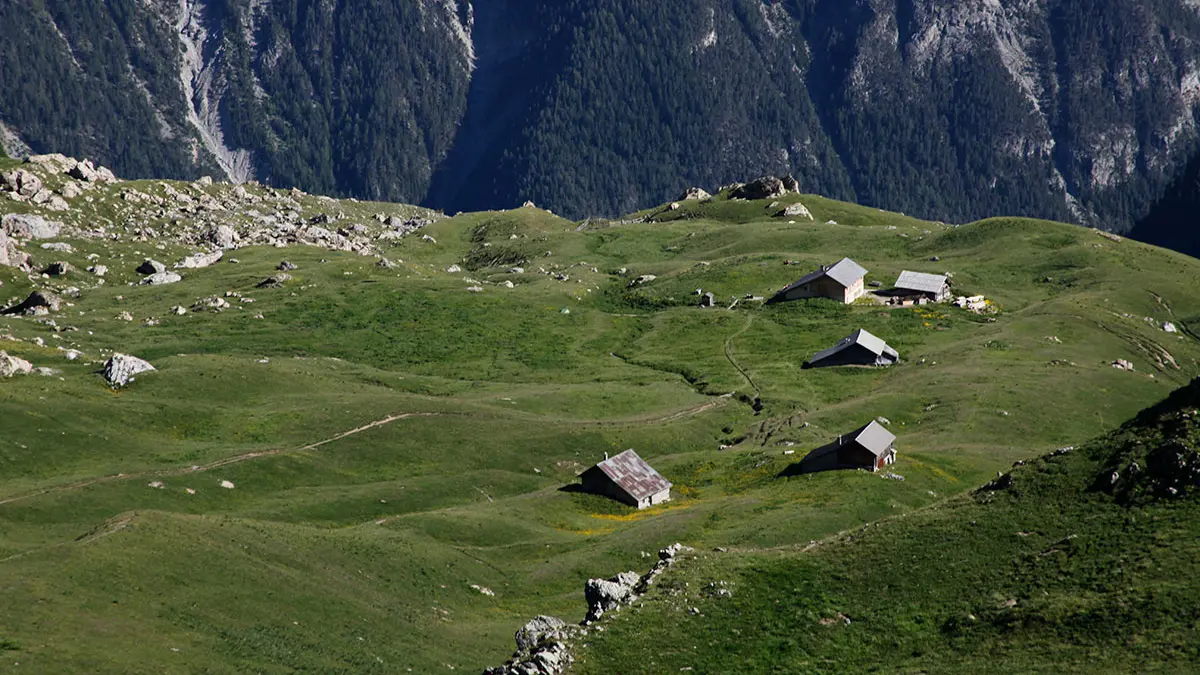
point(627, 478)
point(870, 447)
point(860, 348)
point(918, 287)
point(842, 281)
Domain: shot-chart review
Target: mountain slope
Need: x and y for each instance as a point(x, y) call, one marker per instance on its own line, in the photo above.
point(948, 110)
point(1074, 555)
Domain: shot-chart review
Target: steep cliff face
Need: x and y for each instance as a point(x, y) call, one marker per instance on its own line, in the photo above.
point(1082, 110)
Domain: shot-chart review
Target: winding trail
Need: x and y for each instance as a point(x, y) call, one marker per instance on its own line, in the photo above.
point(733, 362)
point(200, 468)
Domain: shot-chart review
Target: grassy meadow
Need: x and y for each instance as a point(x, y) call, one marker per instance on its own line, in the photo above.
point(393, 438)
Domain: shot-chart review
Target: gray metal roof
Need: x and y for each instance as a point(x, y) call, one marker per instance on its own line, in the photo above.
point(844, 271)
point(919, 281)
point(633, 475)
point(859, 337)
point(875, 437)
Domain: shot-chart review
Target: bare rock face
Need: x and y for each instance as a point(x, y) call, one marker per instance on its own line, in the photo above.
point(119, 370)
point(11, 365)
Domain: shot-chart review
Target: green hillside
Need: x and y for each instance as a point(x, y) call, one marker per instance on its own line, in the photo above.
point(1053, 568)
point(396, 433)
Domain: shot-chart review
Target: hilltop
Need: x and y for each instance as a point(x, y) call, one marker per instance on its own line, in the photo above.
point(357, 468)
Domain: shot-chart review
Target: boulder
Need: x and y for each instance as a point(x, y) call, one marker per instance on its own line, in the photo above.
point(212, 303)
point(796, 210)
point(605, 595)
point(767, 187)
point(5, 257)
point(222, 236)
point(537, 630)
point(58, 246)
point(38, 302)
point(643, 279)
point(199, 260)
point(275, 280)
point(161, 279)
point(58, 268)
point(285, 266)
point(693, 193)
point(11, 365)
point(151, 267)
point(29, 226)
point(98, 270)
point(86, 171)
point(120, 369)
point(22, 182)
point(708, 300)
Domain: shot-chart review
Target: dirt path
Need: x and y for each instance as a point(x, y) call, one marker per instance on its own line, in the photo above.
point(733, 361)
point(199, 468)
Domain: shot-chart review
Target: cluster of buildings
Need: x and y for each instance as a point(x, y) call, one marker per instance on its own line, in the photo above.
point(629, 479)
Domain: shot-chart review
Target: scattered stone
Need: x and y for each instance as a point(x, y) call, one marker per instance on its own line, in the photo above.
point(1122, 364)
point(212, 303)
point(98, 270)
point(124, 316)
point(643, 279)
point(11, 365)
point(1169, 327)
point(453, 269)
point(386, 264)
point(228, 485)
point(285, 266)
point(275, 280)
point(474, 289)
point(161, 278)
point(58, 246)
point(484, 590)
point(119, 370)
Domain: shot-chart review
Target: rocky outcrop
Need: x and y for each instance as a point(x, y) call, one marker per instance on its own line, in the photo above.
point(767, 187)
point(544, 644)
point(120, 370)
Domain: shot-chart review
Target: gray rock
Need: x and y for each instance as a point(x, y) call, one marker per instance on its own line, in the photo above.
point(161, 279)
point(58, 268)
point(386, 264)
point(58, 246)
point(694, 193)
point(98, 270)
point(536, 630)
point(199, 260)
point(285, 266)
point(796, 210)
point(213, 303)
point(37, 300)
point(275, 280)
point(5, 255)
point(708, 300)
point(644, 279)
point(223, 236)
point(11, 365)
point(29, 226)
point(86, 171)
point(151, 267)
point(119, 370)
point(22, 182)
point(604, 595)
point(767, 187)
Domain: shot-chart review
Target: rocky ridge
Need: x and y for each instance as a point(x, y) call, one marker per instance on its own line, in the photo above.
point(544, 643)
